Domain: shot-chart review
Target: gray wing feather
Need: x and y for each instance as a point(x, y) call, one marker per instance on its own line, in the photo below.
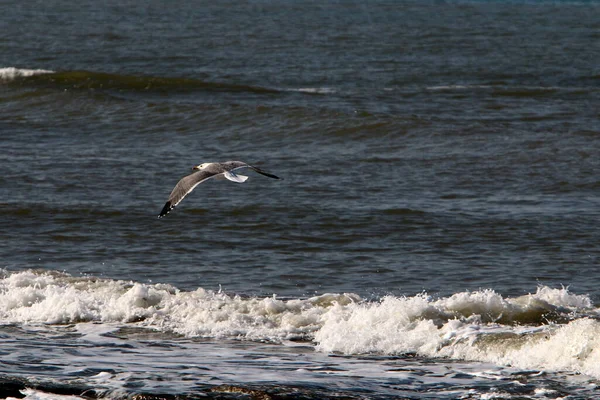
point(183, 187)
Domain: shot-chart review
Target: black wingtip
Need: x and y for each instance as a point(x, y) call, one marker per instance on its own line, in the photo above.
point(260, 171)
point(166, 209)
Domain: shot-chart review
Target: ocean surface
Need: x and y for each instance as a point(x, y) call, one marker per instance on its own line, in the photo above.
point(436, 233)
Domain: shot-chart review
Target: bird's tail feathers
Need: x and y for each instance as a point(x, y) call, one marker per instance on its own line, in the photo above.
point(235, 177)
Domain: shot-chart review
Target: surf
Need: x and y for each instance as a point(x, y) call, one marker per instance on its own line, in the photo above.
point(551, 329)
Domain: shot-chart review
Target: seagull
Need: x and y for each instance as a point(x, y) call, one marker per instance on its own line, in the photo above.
point(204, 172)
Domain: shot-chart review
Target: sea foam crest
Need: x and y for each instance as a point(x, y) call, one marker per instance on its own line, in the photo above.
point(543, 330)
point(464, 326)
point(56, 298)
point(12, 73)
point(32, 394)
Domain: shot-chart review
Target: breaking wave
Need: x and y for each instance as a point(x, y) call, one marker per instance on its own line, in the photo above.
point(11, 73)
point(119, 82)
point(551, 329)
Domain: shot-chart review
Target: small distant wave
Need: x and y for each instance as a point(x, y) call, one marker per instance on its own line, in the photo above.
point(551, 329)
point(11, 73)
point(119, 82)
point(506, 90)
point(457, 87)
point(81, 79)
point(313, 90)
point(402, 211)
point(74, 213)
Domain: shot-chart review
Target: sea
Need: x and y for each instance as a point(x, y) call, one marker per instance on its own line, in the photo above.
point(435, 233)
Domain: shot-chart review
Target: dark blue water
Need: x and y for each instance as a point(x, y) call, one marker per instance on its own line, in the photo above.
point(448, 148)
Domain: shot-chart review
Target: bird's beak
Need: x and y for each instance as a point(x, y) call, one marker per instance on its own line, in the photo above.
point(195, 167)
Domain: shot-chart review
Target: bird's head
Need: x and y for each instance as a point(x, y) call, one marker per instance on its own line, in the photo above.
point(200, 167)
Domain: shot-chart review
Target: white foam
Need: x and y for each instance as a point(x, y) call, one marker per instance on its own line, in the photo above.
point(208, 314)
point(11, 73)
point(31, 297)
point(53, 298)
point(31, 394)
point(478, 326)
point(314, 90)
point(559, 297)
point(399, 325)
point(572, 347)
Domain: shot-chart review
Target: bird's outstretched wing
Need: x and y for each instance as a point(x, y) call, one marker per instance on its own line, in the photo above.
point(260, 171)
point(183, 187)
point(240, 164)
point(188, 183)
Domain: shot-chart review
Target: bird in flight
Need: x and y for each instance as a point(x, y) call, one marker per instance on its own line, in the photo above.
point(204, 172)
